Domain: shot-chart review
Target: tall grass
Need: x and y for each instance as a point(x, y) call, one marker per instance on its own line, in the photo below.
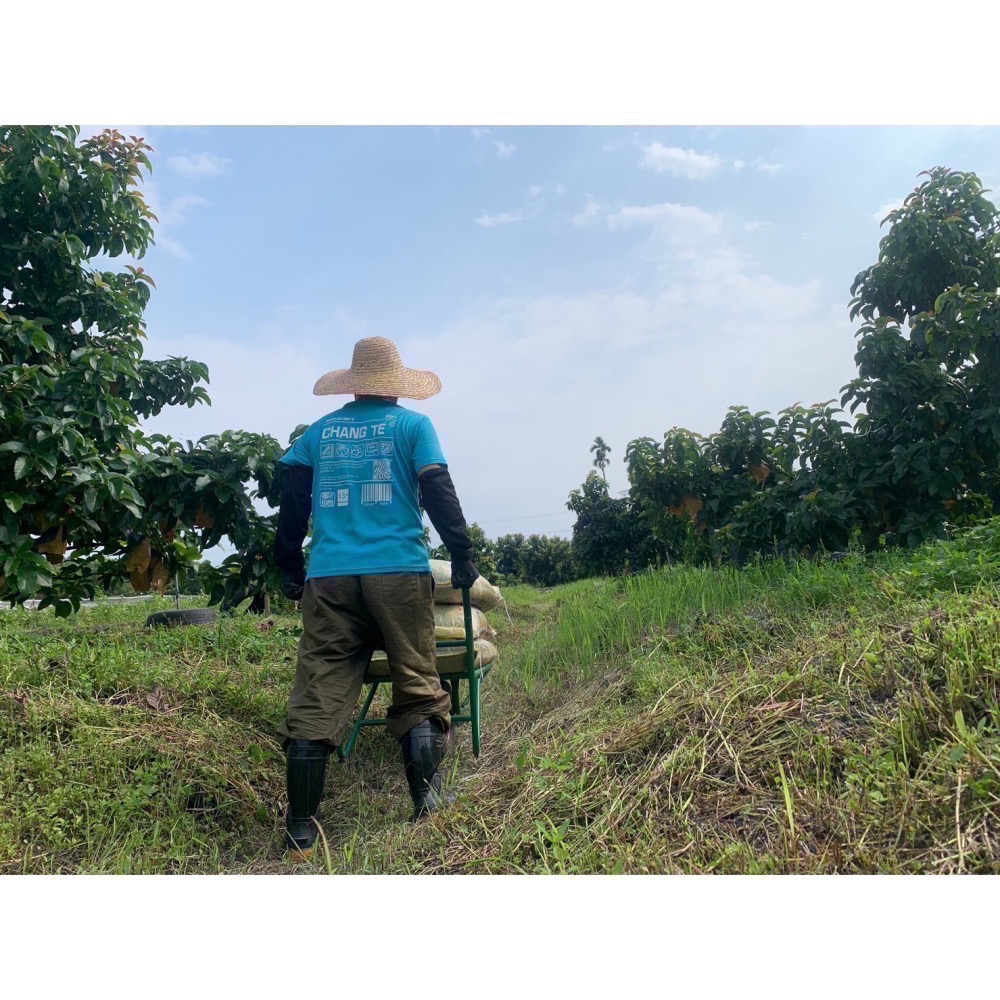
point(598, 619)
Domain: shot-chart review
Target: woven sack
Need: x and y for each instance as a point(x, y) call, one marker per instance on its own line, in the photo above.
point(483, 594)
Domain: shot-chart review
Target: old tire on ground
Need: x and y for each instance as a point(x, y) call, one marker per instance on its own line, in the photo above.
point(185, 616)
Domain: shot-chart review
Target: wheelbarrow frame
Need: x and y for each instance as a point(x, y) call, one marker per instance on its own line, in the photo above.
point(470, 674)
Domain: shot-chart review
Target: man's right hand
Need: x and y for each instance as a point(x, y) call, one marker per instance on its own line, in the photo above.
point(463, 573)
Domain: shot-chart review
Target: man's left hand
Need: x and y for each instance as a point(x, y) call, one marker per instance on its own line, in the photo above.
point(291, 587)
point(463, 573)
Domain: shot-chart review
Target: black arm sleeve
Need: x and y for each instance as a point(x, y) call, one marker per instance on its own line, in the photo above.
point(437, 495)
point(293, 521)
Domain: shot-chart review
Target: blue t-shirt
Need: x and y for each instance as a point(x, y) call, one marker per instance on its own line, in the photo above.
point(366, 515)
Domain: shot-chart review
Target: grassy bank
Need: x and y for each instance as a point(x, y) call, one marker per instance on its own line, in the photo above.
point(830, 717)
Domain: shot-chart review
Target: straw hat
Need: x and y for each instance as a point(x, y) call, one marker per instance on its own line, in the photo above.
point(377, 370)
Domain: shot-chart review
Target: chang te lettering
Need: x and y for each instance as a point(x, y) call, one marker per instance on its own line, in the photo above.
point(352, 433)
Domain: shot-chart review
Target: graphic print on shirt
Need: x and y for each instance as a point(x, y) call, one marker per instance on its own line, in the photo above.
point(360, 470)
point(376, 493)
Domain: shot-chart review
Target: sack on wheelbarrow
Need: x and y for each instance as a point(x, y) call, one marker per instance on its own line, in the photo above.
point(483, 594)
point(449, 622)
point(449, 661)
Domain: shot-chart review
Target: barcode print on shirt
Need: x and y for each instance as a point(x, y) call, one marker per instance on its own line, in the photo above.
point(376, 492)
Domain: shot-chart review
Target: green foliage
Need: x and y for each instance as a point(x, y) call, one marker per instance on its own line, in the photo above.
point(970, 560)
point(70, 339)
point(610, 535)
point(72, 380)
point(508, 550)
point(929, 363)
point(538, 560)
point(86, 498)
point(757, 485)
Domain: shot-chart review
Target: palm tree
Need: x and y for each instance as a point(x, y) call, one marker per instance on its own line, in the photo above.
point(601, 461)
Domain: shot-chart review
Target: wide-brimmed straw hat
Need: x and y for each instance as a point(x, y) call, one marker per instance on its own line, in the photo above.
point(377, 370)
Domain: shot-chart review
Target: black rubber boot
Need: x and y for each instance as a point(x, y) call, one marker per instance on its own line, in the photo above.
point(424, 747)
point(305, 770)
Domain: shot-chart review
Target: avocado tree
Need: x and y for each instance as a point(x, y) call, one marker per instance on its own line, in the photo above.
point(73, 381)
point(86, 498)
point(927, 447)
point(702, 482)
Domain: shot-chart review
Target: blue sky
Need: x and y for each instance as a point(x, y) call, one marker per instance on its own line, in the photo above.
point(564, 282)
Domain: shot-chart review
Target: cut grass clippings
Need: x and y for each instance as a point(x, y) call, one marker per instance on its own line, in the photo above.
point(780, 718)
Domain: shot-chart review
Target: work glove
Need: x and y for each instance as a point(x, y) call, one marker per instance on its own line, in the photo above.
point(463, 573)
point(291, 586)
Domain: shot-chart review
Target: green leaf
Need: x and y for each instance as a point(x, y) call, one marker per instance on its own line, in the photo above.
point(14, 502)
point(19, 467)
point(41, 341)
point(960, 724)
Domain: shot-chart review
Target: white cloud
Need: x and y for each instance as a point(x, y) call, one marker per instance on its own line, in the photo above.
point(679, 162)
point(754, 226)
point(479, 133)
point(560, 190)
point(175, 211)
point(738, 165)
point(500, 219)
point(679, 221)
point(588, 214)
point(200, 164)
point(720, 273)
point(174, 247)
point(171, 214)
point(535, 190)
point(768, 168)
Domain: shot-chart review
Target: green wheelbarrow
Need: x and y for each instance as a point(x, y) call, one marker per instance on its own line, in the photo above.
point(468, 669)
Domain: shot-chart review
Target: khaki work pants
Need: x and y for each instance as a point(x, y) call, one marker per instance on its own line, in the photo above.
point(346, 618)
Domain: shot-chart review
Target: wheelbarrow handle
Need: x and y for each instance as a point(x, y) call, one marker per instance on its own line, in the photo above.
point(467, 615)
